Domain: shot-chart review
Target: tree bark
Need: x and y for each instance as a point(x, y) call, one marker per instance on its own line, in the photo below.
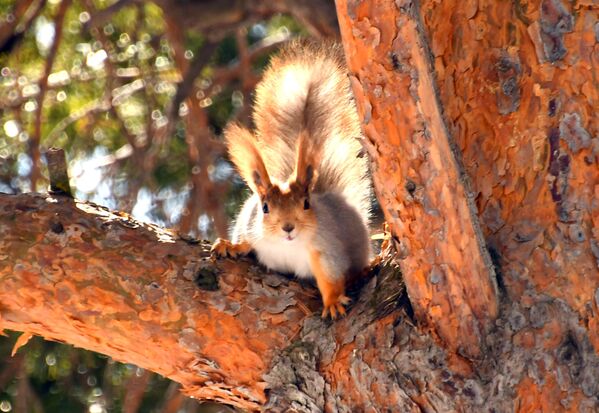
point(420, 183)
point(518, 87)
point(517, 90)
point(229, 331)
point(78, 273)
point(521, 87)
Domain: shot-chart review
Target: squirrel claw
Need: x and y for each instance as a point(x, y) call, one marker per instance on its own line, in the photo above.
point(219, 248)
point(336, 307)
point(223, 248)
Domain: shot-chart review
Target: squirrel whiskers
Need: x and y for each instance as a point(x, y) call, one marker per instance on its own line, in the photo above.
point(310, 208)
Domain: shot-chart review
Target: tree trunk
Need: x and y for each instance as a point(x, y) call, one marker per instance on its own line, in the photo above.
point(421, 186)
point(484, 112)
point(517, 84)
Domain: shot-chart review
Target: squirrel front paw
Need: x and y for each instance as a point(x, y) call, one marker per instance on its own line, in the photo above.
point(335, 305)
point(224, 248)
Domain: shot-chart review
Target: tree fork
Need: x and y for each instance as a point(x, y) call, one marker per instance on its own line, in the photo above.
point(448, 273)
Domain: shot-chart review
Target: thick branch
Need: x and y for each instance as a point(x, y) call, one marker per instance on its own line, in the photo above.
point(77, 273)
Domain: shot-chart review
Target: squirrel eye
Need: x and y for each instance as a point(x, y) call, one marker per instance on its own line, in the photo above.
point(265, 208)
point(306, 204)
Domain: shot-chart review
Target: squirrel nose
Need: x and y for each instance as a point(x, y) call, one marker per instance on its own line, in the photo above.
point(288, 227)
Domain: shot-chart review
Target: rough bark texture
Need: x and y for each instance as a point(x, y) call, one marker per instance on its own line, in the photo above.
point(418, 178)
point(521, 88)
point(78, 273)
point(518, 86)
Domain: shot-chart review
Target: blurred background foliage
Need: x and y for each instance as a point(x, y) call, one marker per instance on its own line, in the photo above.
point(137, 93)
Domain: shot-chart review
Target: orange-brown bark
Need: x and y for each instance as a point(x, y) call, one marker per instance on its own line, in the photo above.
point(517, 83)
point(78, 273)
point(419, 181)
point(521, 88)
point(520, 85)
point(226, 330)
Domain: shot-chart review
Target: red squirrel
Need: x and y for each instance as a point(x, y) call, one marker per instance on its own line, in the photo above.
point(310, 207)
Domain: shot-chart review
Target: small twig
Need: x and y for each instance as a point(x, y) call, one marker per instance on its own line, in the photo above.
point(11, 365)
point(173, 399)
point(122, 153)
point(234, 70)
point(185, 87)
point(248, 79)
point(57, 171)
point(189, 71)
point(244, 55)
point(53, 84)
point(111, 89)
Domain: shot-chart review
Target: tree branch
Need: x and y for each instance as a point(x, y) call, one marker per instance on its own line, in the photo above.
point(173, 399)
point(185, 87)
point(204, 195)
point(220, 17)
point(134, 390)
point(23, 15)
point(76, 272)
point(100, 17)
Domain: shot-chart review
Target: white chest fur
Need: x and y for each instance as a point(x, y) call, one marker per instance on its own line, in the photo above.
point(284, 256)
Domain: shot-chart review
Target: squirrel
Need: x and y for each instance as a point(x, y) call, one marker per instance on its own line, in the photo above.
point(309, 212)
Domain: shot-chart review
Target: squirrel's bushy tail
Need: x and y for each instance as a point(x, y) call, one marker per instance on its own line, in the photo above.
point(306, 89)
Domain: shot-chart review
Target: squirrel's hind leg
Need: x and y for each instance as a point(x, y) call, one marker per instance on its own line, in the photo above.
point(223, 248)
point(331, 286)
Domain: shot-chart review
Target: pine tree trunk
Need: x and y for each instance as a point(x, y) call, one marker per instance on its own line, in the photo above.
point(420, 183)
point(517, 85)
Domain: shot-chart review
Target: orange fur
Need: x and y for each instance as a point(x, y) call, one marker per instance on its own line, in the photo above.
point(287, 207)
point(304, 163)
point(332, 289)
point(246, 156)
point(223, 248)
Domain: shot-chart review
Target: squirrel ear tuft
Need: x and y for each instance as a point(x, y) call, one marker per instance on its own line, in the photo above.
point(304, 166)
point(259, 187)
point(246, 157)
point(308, 177)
